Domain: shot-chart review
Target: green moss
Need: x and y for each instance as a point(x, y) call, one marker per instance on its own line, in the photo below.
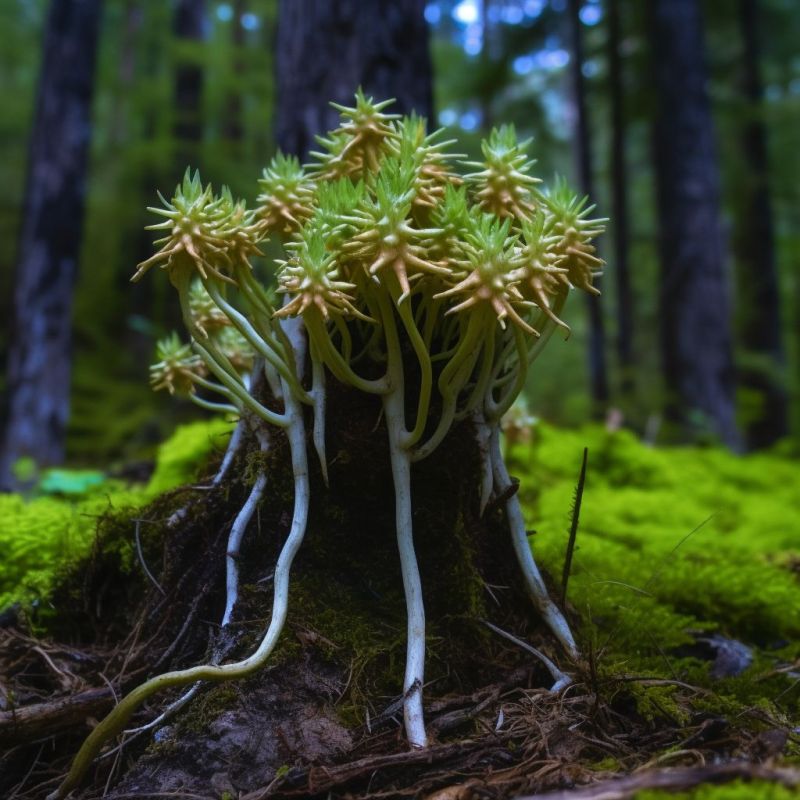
point(203, 710)
point(736, 790)
point(657, 703)
point(670, 540)
point(185, 451)
point(42, 535)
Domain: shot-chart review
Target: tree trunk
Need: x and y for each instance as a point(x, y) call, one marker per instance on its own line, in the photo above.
point(598, 376)
point(233, 129)
point(189, 26)
point(39, 358)
point(694, 305)
point(619, 202)
point(759, 312)
point(325, 51)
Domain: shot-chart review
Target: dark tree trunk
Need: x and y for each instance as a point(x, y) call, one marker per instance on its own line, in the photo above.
point(326, 50)
point(598, 375)
point(694, 305)
point(233, 128)
point(39, 357)
point(758, 311)
point(619, 201)
point(189, 26)
point(189, 29)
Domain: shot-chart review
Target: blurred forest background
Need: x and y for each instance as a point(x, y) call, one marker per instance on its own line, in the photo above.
point(681, 120)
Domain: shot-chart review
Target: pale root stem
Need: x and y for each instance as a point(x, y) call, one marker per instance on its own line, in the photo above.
point(230, 453)
point(234, 545)
point(415, 609)
point(561, 679)
point(483, 433)
point(519, 538)
point(319, 399)
point(394, 409)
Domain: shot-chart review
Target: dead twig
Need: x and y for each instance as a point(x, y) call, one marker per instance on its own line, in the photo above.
point(32, 722)
point(573, 530)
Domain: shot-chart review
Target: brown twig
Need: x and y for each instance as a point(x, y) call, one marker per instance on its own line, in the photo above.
point(32, 722)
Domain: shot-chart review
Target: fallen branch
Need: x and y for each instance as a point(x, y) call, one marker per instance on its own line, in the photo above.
point(302, 782)
point(33, 722)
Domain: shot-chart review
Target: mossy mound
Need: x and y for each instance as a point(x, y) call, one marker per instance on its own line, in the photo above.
point(674, 537)
point(681, 553)
point(42, 535)
point(737, 790)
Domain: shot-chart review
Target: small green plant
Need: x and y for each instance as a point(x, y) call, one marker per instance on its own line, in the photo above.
point(394, 265)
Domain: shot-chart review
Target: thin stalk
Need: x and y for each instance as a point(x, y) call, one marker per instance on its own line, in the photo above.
point(519, 538)
point(208, 405)
point(495, 411)
point(451, 380)
point(483, 435)
point(280, 420)
point(230, 453)
point(254, 339)
point(235, 543)
point(347, 340)
point(200, 336)
point(409, 439)
point(319, 399)
point(393, 404)
point(334, 360)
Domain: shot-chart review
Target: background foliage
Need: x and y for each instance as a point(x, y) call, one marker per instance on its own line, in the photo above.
point(497, 60)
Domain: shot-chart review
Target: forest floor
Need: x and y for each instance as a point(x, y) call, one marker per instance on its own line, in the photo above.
point(683, 590)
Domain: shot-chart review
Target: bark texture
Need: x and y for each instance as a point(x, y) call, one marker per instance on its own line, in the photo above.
point(325, 51)
point(39, 360)
point(598, 372)
point(759, 311)
point(694, 304)
point(619, 201)
point(189, 25)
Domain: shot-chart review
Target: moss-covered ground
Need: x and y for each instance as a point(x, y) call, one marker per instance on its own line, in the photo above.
point(43, 533)
point(684, 587)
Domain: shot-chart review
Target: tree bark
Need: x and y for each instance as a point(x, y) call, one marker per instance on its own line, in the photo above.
point(39, 360)
point(234, 124)
point(694, 305)
point(759, 311)
point(598, 372)
point(189, 27)
point(619, 201)
point(325, 51)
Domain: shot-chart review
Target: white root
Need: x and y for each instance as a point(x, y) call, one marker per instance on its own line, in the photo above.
point(319, 399)
point(235, 542)
point(519, 537)
point(412, 584)
point(562, 680)
point(230, 452)
point(483, 433)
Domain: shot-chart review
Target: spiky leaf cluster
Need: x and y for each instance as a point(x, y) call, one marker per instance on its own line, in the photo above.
point(503, 184)
point(206, 234)
point(286, 196)
point(575, 232)
point(382, 210)
point(360, 141)
point(176, 366)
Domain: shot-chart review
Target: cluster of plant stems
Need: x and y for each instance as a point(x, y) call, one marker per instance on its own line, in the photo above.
point(402, 279)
